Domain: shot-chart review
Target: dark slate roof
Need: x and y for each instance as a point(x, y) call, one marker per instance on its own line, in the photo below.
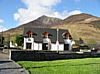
point(39, 32)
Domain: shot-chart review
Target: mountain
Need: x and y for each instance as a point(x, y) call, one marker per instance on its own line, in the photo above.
point(82, 25)
point(50, 21)
point(84, 18)
point(43, 21)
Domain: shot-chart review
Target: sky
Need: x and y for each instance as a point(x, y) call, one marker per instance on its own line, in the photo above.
point(17, 12)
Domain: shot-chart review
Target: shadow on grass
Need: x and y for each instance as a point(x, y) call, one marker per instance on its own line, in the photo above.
point(61, 65)
point(11, 68)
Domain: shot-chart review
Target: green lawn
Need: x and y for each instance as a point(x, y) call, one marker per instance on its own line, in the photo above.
point(72, 66)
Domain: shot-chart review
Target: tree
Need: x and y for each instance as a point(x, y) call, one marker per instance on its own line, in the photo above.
point(1, 41)
point(19, 40)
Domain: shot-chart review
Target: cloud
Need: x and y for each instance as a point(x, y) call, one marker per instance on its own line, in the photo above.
point(37, 8)
point(65, 14)
point(74, 12)
point(1, 21)
point(31, 3)
point(2, 28)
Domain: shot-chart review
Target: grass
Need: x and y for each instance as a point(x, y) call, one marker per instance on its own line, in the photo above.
point(72, 66)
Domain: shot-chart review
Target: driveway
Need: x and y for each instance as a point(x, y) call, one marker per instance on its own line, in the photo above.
point(3, 56)
point(9, 67)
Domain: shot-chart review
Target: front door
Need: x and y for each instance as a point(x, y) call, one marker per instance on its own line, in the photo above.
point(28, 45)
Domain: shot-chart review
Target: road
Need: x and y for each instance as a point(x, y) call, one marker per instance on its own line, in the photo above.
point(9, 67)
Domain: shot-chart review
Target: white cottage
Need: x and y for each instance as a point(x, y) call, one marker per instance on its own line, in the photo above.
point(29, 40)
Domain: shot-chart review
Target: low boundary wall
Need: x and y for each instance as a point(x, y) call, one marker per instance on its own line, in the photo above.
point(49, 55)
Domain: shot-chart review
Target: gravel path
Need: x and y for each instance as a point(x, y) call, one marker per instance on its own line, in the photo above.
point(3, 56)
point(10, 67)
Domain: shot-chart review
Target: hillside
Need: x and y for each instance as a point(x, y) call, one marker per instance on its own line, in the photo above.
point(78, 18)
point(82, 25)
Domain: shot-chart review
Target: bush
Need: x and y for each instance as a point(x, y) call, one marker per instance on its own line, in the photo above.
point(19, 40)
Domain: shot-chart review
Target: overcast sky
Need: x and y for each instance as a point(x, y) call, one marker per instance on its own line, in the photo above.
point(17, 12)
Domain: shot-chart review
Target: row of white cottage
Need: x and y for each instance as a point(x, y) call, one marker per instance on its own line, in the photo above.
point(46, 44)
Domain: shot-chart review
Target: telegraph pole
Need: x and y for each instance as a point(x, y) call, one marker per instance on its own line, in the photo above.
point(57, 40)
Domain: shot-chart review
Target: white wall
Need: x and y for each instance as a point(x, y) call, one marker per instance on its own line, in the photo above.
point(38, 46)
point(28, 40)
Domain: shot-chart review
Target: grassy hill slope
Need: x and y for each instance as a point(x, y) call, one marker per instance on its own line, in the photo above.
point(87, 32)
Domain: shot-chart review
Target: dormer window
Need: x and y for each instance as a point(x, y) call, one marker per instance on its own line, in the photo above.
point(30, 34)
point(46, 35)
point(66, 35)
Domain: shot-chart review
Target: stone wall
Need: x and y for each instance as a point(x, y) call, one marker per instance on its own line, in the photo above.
point(48, 55)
